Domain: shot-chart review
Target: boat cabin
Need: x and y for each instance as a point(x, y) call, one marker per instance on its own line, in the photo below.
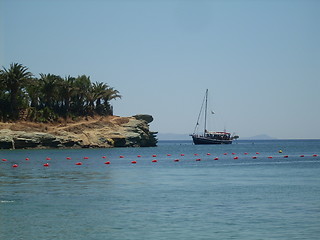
point(218, 135)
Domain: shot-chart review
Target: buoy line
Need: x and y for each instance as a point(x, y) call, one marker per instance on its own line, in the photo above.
point(198, 159)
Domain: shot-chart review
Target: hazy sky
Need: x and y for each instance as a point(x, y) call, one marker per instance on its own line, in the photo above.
point(259, 59)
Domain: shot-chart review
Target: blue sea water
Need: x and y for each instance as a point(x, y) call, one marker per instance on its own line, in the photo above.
point(244, 198)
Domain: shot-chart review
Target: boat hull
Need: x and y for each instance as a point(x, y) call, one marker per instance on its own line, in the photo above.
point(204, 140)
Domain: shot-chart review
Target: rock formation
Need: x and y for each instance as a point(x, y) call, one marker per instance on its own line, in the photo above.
point(102, 132)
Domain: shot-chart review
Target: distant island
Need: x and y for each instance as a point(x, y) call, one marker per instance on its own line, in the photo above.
point(52, 111)
point(259, 137)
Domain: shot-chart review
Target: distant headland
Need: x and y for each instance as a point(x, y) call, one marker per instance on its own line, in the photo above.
point(56, 112)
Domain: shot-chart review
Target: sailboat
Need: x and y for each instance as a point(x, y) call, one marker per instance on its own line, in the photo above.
point(208, 137)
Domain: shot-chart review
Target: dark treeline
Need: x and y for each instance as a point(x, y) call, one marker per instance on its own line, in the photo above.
point(50, 97)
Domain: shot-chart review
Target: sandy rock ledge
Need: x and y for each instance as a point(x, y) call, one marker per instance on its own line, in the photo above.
point(99, 132)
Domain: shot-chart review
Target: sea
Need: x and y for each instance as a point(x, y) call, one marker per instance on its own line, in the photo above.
point(246, 190)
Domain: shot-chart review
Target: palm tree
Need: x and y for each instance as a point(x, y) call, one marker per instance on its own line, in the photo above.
point(67, 90)
point(14, 79)
point(34, 92)
point(49, 84)
point(93, 95)
point(4, 100)
point(90, 98)
point(109, 95)
point(102, 92)
point(82, 85)
point(99, 88)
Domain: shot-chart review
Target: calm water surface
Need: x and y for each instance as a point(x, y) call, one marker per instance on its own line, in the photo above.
point(244, 198)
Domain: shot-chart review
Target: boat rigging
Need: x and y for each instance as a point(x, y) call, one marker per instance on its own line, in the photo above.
point(208, 137)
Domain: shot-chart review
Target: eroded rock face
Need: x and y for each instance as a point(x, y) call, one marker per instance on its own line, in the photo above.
point(94, 133)
point(21, 139)
point(145, 117)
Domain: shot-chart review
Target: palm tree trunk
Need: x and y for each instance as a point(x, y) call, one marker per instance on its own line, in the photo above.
point(14, 104)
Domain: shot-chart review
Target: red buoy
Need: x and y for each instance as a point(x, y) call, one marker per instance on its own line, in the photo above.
point(301, 155)
point(4, 160)
point(15, 165)
point(107, 162)
point(134, 162)
point(270, 157)
point(196, 154)
point(208, 154)
point(257, 153)
point(85, 158)
point(285, 156)
point(225, 153)
point(198, 159)
point(68, 158)
point(154, 155)
point(245, 153)
point(48, 158)
point(139, 156)
point(181, 154)
point(168, 155)
point(233, 154)
point(314, 155)
point(121, 156)
point(27, 159)
point(104, 157)
point(79, 163)
point(254, 157)
point(46, 165)
point(154, 160)
point(216, 158)
point(176, 160)
point(235, 158)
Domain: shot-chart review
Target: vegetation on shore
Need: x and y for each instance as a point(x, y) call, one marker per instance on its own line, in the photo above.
point(50, 97)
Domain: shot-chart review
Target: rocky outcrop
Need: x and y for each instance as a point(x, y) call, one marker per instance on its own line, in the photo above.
point(104, 132)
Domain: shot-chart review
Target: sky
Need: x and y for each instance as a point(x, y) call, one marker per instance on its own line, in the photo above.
point(260, 59)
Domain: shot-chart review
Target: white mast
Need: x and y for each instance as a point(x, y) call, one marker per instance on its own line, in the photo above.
point(205, 114)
